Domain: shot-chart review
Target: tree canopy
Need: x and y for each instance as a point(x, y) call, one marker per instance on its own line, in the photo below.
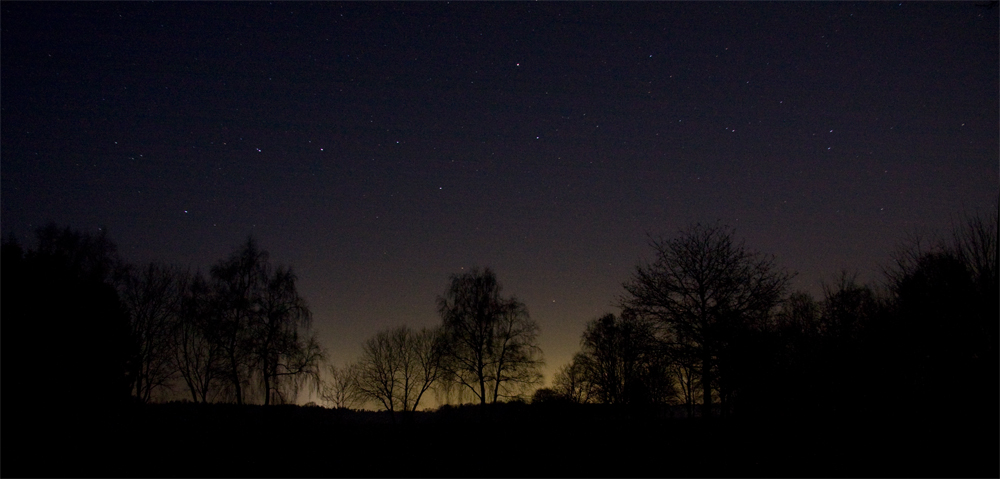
point(705, 288)
point(490, 341)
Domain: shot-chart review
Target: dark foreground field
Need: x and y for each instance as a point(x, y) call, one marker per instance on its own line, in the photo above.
point(184, 440)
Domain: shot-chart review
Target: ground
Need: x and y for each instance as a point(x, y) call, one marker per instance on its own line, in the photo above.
point(186, 440)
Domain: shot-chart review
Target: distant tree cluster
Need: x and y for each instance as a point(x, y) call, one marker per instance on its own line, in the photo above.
point(679, 336)
point(122, 332)
point(621, 362)
point(709, 320)
point(486, 346)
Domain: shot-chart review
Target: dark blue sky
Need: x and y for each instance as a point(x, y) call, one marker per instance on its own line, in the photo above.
point(379, 148)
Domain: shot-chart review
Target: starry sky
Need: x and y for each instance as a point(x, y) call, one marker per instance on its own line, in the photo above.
point(380, 147)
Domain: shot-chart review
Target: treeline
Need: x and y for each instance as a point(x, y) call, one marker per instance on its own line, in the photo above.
point(709, 324)
point(710, 321)
point(906, 370)
point(117, 332)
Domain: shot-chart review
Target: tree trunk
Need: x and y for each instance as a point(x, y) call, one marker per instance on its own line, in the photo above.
point(138, 386)
point(267, 386)
point(482, 396)
point(482, 387)
point(706, 382)
point(236, 382)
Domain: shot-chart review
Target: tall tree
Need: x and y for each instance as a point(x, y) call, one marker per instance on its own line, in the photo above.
point(65, 339)
point(704, 287)
point(198, 353)
point(286, 356)
point(490, 341)
point(263, 326)
point(946, 301)
point(238, 282)
point(152, 299)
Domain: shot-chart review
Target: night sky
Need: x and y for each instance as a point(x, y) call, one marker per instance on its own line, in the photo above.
point(380, 148)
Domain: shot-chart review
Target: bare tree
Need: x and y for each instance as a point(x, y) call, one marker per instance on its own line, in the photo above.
point(151, 297)
point(703, 287)
point(198, 354)
point(799, 314)
point(426, 349)
point(236, 283)
point(341, 387)
point(976, 242)
point(450, 391)
point(946, 300)
point(491, 342)
point(847, 309)
point(622, 358)
point(262, 320)
point(685, 373)
point(286, 360)
point(515, 369)
point(398, 366)
point(571, 381)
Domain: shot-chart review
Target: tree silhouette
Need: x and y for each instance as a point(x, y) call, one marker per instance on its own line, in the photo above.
point(705, 288)
point(549, 396)
point(490, 341)
point(795, 378)
point(341, 388)
point(198, 354)
point(152, 299)
point(945, 314)
point(624, 362)
point(71, 278)
point(237, 283)
point(261, 322)
point(284, 357)
point(572, 381)
point(398, 366)
point(683, 362)
point(66, 342)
